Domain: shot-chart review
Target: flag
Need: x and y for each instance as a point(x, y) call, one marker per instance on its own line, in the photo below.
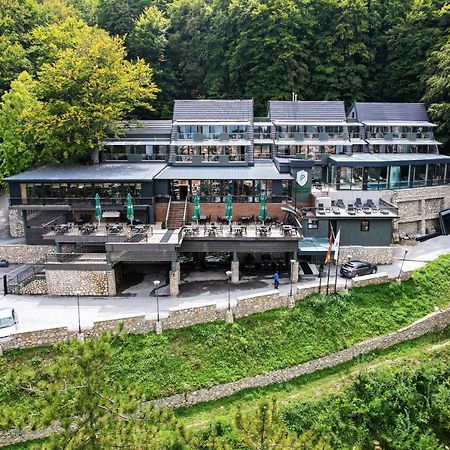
point(330, 244)
point(337, 242)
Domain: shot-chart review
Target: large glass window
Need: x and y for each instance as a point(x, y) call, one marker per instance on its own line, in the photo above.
point(419, 177)
point(345, 177)
point(376, 178)
point(357, 178)
point(398, 177)
point(262, 151)
point(436, 174)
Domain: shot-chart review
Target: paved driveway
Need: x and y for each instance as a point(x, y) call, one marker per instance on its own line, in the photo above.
point(37, 312)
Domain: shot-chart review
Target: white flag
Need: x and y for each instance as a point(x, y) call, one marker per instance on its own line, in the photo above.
point(337, 240)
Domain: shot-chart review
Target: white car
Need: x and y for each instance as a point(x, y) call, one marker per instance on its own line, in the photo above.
point(8, 322)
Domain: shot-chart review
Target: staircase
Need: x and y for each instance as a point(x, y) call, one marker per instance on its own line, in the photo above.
point(175, 216)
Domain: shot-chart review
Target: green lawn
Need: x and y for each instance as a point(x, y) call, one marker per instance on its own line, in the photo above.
point(204, 355)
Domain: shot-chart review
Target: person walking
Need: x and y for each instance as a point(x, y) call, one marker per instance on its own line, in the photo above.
point(276, 280)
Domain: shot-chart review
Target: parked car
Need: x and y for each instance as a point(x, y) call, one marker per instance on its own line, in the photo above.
point(8, 322)
point(4, 263)
point(356, 268)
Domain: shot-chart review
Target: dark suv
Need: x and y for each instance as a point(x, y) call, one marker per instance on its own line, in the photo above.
point(357, 268)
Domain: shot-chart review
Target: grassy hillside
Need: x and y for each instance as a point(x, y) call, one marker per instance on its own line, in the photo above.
point(209, 354)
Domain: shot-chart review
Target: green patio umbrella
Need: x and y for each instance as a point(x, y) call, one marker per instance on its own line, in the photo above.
point(263, 207)
point(98, 208)
point(130, 209)
point(197, 212)
point(229, 208)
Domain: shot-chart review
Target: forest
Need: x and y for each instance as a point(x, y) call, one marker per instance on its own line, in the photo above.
point(70, 69)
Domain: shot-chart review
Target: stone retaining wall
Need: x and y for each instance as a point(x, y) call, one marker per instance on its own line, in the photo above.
point(87, 282)
point(25, 254)
point(16, 227)
point(365, 280)
point(431, 323)
point(37, 286)
point(179, 318)
point(252, 304)
point(418, 208)
point(374, 255)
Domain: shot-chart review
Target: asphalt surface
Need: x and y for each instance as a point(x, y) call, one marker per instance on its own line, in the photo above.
point(38, 312)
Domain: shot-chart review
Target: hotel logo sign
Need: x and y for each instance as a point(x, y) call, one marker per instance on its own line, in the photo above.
point(302, 177)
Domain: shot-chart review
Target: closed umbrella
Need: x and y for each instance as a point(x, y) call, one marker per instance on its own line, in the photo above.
point(130, 209)
point(98, 208)
point(197, 212)
point(263, 207)
point(229, 208)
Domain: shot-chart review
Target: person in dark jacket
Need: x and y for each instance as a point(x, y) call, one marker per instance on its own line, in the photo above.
point(276, 280)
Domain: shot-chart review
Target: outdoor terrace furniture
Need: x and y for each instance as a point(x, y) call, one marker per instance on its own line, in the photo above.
point(370, 204)
point(286, 230)
point(335, 210)
point(367, 210)
point(61, 229)
point(351, 210)
point(114, 228)
point(87, 228)
point(263, 230)
point(340, 203)
point(384, 211)
point(246, 219)
point(320, 209)
point(358, 203)
point(239, 230)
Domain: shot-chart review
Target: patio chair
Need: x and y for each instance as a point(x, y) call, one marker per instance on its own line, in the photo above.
point(358, 203)
point(340, 203)
point(351, 209)
point(320, 209)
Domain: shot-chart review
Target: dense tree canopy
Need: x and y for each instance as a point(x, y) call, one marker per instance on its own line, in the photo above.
point(355, 50)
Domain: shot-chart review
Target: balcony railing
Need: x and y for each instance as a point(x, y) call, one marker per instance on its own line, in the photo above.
point(211, 136)
point(124, 157)
point(250, 198)
point(262, 136)
point(309, 136)
point(196, 159)
point(402, 135)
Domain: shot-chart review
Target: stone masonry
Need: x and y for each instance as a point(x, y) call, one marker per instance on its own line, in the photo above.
point(418, 208)
point(16, 226)
point(87, 282)
point(374, 255)
point(433, 322)
point(25, 254)
point(252, 304)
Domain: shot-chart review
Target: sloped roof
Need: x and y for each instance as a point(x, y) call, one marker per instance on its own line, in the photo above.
point(391, 112)
point(97, 172)
point(213, 110)
point(307, 111)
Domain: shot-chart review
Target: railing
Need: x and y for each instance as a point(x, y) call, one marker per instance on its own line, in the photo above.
point(211, 136)
point(242, 198)
point(168, 210)
point(78, 201)
point(124, 157)
point(75, 257)
point(185, 210)
point(307, 136)
point(15, 280)
point(402, 135)
point(262, 136)
point(210, 158)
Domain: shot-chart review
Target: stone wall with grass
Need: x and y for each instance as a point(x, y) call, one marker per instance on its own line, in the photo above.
point(178, 317)
point(431, 323)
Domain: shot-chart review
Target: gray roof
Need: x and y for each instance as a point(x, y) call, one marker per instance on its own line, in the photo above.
point(97, 172)
point(300, 111)
point(391, 112)
point(213, 110)
point(260, 171)
point(387, 159)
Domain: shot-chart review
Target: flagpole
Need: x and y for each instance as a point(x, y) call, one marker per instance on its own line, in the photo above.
point(329, 258)
point(336, 257)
